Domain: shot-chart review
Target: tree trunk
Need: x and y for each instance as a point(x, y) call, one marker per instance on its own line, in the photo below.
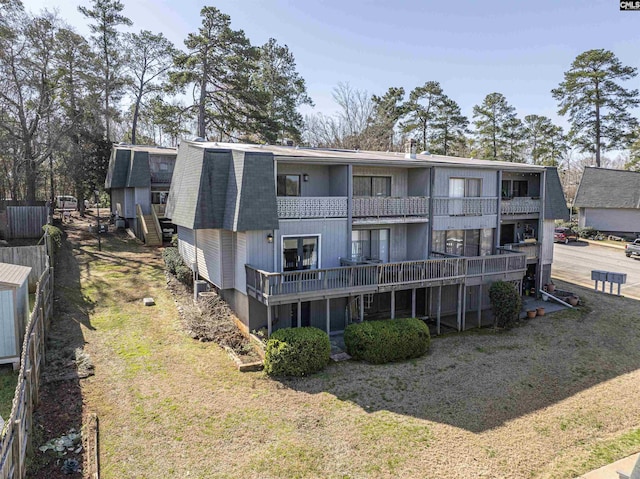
point(136, 112)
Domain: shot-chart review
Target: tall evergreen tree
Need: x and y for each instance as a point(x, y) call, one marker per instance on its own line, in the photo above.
point(495, 127)
point(285, 91)
point(597, 104)
point(218, 65)
point(449, 128)
point(107, 16)
point(388, 109)
point(421, 111)
point(545, 142)
point(149, 59)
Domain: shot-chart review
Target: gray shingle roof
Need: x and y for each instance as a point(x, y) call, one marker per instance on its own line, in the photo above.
point(555, 204)
point(221, 188)
point(605, 188)
point(129, 165)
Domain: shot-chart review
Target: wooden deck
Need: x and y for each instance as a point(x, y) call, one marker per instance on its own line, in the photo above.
point(281, 288)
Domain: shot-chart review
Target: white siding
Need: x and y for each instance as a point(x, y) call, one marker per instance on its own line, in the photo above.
point(117, 201)
point(143, 198)
point(227, 256)
point(546, 254)
point(129, 203)
point(185, 245)
point(7, 324)
point(610, 219)
point(209, 251)
point(442, 175)
point(398, 176)
point(240, 261)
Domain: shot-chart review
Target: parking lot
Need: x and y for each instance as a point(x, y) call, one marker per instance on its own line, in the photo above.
point(573, 262)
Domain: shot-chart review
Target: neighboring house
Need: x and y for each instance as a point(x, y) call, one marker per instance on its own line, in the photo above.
point(609, 200)
point(300, 236)
point(138, 182)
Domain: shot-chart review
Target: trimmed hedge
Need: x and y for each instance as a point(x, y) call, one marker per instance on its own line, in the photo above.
point(297, 352)
point(176, 266)
point(505, 302)
point(384, 341)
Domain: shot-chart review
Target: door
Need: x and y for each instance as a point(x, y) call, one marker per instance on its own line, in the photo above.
point(299, 253)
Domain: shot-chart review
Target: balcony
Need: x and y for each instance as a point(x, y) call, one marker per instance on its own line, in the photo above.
point(390, 207)
point(295, 207)
point(530, 250)
point(161, 177)
point(468, 206)
point(281, 288)
point(520, 206)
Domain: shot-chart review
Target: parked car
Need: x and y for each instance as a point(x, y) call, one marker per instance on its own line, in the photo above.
point(632, 248)
point(564, 235)
point(66, 203)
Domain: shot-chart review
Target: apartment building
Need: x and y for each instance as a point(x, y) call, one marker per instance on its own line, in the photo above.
point(299, 236)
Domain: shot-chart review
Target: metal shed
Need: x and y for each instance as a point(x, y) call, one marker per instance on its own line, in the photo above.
point(14, 310)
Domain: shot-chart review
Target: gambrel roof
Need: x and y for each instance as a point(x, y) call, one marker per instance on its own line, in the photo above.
point(607, 188)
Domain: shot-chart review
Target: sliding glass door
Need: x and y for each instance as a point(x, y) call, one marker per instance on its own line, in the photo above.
point(300, 253)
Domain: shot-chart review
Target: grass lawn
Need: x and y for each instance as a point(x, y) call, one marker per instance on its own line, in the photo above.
point(8, 383)
point(552, 398)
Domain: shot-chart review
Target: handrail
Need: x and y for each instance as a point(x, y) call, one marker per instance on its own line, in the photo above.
point(157, 223)
point(140, 216)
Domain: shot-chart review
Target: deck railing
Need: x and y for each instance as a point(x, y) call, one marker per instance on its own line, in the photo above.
point(312, 207)
point(531, 250)
point(520, 206)
point(374, 277)
point(390, 206)
point(470, 206)
point(161, 176)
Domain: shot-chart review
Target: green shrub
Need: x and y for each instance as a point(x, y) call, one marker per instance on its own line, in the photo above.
point(176, 266)
point(55, 234)
point(586, 232)
point(383, 341)
point(174, 241)
point(297, 352)
point(505, 302)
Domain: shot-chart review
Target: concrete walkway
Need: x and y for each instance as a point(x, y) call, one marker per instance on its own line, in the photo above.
point(610, 471)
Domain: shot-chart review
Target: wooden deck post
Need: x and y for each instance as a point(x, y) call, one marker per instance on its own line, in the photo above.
point(299, 313)
point(361, 307)
point(459, 315)
point(464, 307)
point(269, 325)
point(413, 303)
point(480, 305)
point(393, 304)
point(328, 311)
point(439, 309)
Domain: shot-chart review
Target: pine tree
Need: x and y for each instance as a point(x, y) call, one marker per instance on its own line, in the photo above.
point(597, 104)
point(421, 110)
point(545, 142)
point(496, 128)
point(449, 129)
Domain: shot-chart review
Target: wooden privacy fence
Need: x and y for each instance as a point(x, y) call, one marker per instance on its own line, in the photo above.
point(26, 221)
point(32, 256)
point(16, 438)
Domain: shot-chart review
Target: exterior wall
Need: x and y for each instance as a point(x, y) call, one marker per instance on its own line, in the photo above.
point(117, 201)
point(284, 315)
point(143, 198)
point(532, 178)
point(7, 324)
point(442, 175)
point(339, 180)
point(546, 250)
point(227, 257)
point(239, 304)
point(333, 239)
point(399, 177)
point(419, 182)
point(417, 241)
point(259, 252)
point(129, 203)
point(581, 217)
point(319, 183)
point(611, 219)
point(186, 245)
point(240, 276)
point(22, 310)
point(464, 222)
point(209, 251)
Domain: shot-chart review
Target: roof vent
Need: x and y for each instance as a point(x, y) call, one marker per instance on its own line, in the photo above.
point(410, 148)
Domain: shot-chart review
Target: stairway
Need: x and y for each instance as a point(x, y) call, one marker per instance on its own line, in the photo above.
point(153, 237)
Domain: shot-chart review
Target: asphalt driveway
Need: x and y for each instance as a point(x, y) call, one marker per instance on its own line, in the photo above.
point(573, 262)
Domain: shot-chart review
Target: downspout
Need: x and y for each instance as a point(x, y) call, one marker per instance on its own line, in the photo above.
point(499, 213)
point(195, 254)
point(543, 201)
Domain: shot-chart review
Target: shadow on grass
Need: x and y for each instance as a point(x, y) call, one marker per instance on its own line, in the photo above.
point(479, 380)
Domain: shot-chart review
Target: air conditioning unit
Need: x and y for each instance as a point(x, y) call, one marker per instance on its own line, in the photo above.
point(199, 286)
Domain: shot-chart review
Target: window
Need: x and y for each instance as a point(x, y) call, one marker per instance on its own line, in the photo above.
point(478, 242)
point(288, 185)
point(465, 187)
point(515, 188)
point(370, 244)
point(300, 253)
point(371, 186)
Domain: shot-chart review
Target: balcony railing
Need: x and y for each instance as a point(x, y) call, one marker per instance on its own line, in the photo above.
point(316, 207)
point(273, 288)
point(389, 206)
point(161, 176)
point(469, 206)
point(531, 250)
point(520, 206)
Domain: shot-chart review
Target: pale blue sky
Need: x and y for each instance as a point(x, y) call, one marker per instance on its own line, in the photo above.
point(473, 48)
